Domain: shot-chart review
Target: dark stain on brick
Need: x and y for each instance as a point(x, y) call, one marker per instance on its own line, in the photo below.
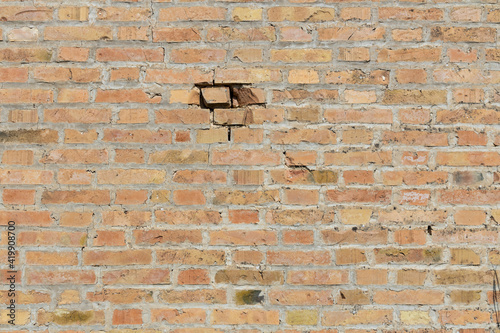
point(249, 297)
point(29, 136)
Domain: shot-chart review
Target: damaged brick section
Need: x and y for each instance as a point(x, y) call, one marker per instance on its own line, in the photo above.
point(230, 104)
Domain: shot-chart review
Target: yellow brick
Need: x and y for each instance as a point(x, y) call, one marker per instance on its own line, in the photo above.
point(247, 14)
point(355, 216)
point(303, 76)
point(212, 135)
point(302, 317)
point(415, 317)
point(74, 13)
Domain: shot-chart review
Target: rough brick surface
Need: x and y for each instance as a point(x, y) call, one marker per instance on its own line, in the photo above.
point(323, 166)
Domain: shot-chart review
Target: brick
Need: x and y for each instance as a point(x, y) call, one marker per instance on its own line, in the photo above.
point(298, 258)
point(130, 54)
point(73, 13)
point(191, 257)
point(251, 277)
point(461, 277)
point(126, 95)
point(160, 236)
point(72, 96)
point(351, 33)
point(197, 55)
point(358, 77)
point(96, 197)
point(251, 75)
point(75, 219)
point(355, 13)
point(350, 256)
point(68, 176)
point(127, 317)
point(51, 258)
point(354, 236)
point(23, 116)
point(241, 237)
point(411, 55)
point(126, 218)
point(177, 316)
point(133, 33)
point(407, 35)
point(400, 96)
point(18, 197)
point(204, 296)
point(189, 197)
point(299, 297)
point(300, 14)
point(216, 97)
point(25, 55)
point(22, 157)
point(24, 34)
point(136, 276)
point(12, 176)
point(248, 55)
point(463, 317)
point(124, 74)
point(41, 277)
point(296, 136)
point(304, 176)
point(78, 33)
point(468, 116)
point(25, 96)
point(410, 14)
point(470, 217)
point(118, 14)
point(301, 55)
point(193, 277)
point(75, 136)
point(415, 317)
point(408, 255)
point(409, 297)
point(376, 116)
point(359, 97)
point(381, 196)
point(459, 34)
point(295, 34)
point(75, 156)
point(334, 318)
point(464, 257)
point(358, 177)
point(132, 116)
point(240, 14)
point(44, 238)
point(63, 316)
point(195, 13)
point(317, 277)
point(371, 276)
point(131, 257)
point(228, 34)
point(134, 176)
point(411, 277)
point(355, 216)
point(26, 13)
point(176, 34)
point(302, 317)
point(465, 296)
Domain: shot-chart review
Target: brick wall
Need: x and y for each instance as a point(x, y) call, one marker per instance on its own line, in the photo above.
point(267, 166)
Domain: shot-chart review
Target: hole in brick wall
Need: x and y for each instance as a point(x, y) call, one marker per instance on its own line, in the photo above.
point(228, 96)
